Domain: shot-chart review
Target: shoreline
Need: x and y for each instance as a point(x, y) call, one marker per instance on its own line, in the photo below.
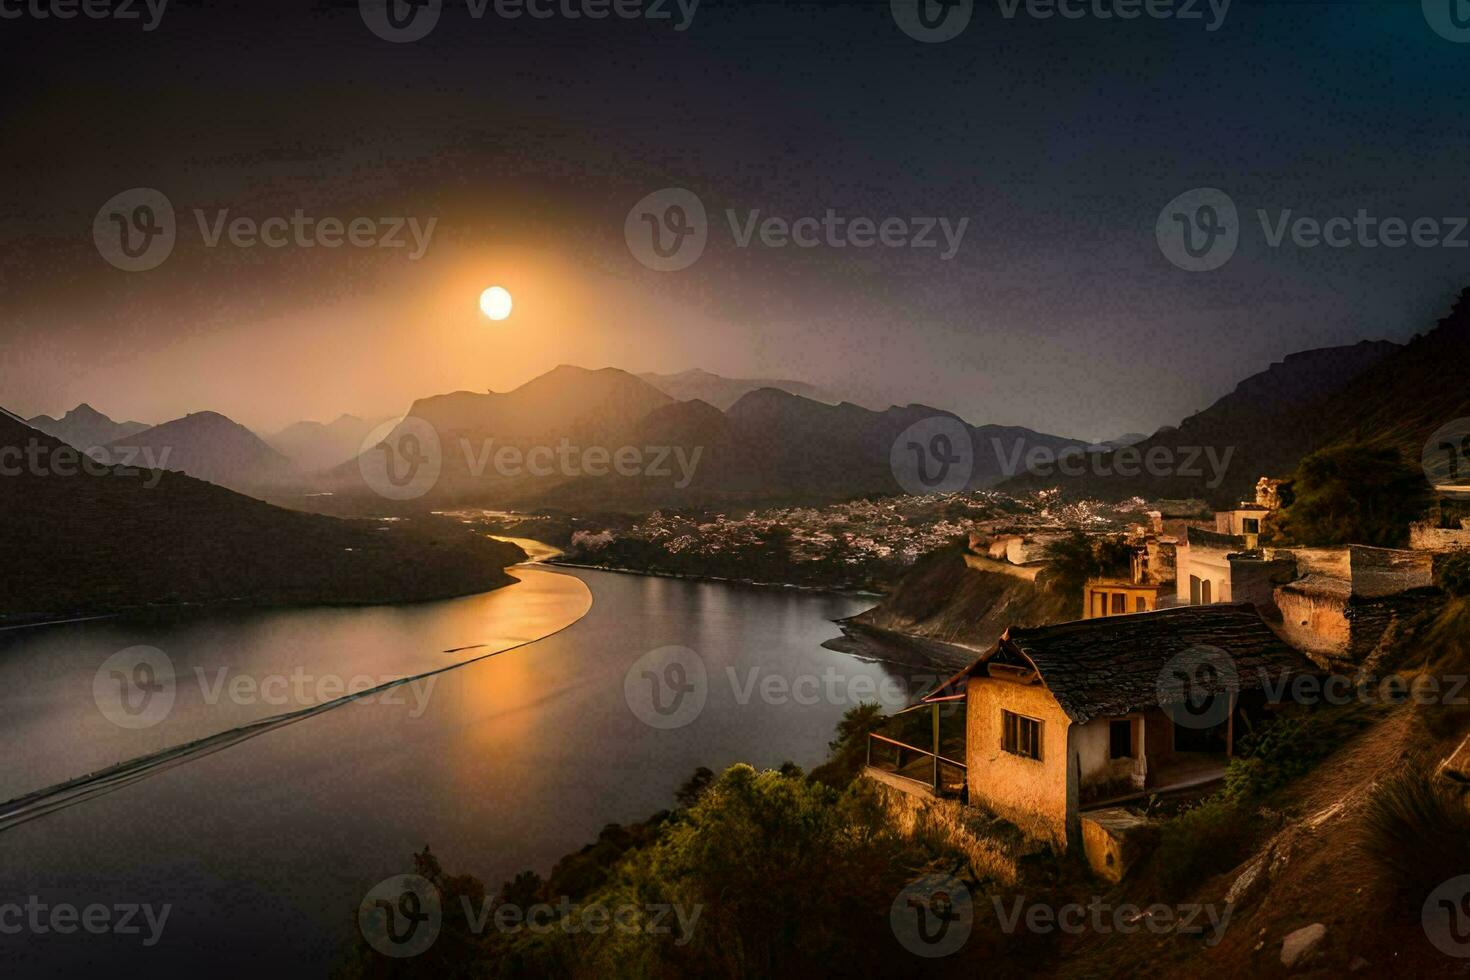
point(825, 590)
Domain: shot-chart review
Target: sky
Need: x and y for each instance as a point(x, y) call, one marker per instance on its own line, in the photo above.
point(1051, 149)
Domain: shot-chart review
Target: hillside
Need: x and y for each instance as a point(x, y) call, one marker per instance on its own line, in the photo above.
point(1372, 391)
point(944, 613)
point(106, 539)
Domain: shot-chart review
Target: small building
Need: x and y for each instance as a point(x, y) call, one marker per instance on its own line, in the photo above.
point(1116, 596)
point(1064, 719)
point(1244, 520)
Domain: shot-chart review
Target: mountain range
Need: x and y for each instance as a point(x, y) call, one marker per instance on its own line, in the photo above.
point(722, 392)
point(1374, 391)
point(85, 428)
point(208, 446)
point(79, 541)
point(769, 446)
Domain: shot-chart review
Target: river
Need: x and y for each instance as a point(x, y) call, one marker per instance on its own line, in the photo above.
point(262, 847)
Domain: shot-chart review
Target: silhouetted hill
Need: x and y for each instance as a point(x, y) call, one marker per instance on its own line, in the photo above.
point(722, 392)
point(208, 446)
point(85, 428)
point(1266, 425)
point(316, 446)
point(86, 541)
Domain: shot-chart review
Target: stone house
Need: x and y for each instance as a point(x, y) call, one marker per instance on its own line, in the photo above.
point(1080, 716)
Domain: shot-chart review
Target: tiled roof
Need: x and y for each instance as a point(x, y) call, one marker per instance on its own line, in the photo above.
point(1117, 664)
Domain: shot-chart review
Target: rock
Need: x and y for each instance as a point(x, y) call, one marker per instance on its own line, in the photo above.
point(1246, 883)
point(1299, 946)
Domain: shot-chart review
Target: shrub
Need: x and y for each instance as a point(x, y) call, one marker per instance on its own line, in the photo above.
point(1204, 841)
point(1417, 830)
point(1454, 575)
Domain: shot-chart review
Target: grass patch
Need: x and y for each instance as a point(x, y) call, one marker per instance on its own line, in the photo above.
point(1416, 829)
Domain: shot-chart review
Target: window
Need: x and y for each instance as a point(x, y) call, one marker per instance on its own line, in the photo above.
point(1204, 592)
point(1120, 739)
point(1194, 590)
point(1119, 603)
point(1140, 604)
point(1250, 525)
point(1020, 736)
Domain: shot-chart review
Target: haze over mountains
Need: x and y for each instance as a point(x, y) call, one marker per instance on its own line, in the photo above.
point(316, 446)
point(722, 392)
point(1399, 394)
point(210, 447)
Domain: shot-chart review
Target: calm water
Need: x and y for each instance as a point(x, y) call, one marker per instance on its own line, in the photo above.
point(265, 848)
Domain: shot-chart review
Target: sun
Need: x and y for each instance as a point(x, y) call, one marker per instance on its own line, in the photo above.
point(495, 303)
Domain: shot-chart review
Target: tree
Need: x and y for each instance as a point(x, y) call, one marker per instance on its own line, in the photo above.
point(1356, 493)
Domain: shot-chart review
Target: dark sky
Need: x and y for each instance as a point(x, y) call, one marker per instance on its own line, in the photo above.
point(528, 141)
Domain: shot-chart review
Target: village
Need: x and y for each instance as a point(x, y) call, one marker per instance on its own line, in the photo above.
point(1079, 733)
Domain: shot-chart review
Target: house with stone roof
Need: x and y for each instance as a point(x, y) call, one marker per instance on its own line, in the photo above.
point(1080, 716)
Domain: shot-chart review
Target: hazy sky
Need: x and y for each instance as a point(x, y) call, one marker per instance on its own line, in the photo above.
point(528, 141)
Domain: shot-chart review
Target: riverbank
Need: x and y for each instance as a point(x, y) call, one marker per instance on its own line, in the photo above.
point(722, 580)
